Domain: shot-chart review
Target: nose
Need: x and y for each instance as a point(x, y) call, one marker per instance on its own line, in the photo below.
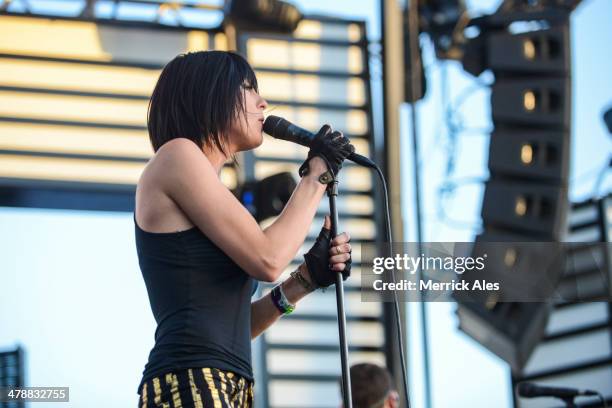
point(262, 103)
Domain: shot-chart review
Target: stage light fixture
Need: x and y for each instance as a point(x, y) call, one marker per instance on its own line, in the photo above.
point(527, 270)
point(263, 15)
point(530, 154)
point(443, 21)
point(525, 199)
point(527, 154)
point(533, 53)
point(532, 102)
point(529, 100)
point(529, 49)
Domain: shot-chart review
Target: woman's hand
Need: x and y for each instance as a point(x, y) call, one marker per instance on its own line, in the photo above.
point(340, 252)
point(328, 257)
point(332, 147)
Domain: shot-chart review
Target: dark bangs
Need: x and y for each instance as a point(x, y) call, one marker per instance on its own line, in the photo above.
point(197, 96)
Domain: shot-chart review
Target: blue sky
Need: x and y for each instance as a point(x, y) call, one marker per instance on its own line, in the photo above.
point(73, 294)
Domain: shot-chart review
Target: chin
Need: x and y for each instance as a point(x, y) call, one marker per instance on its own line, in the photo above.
point(260, 140)
point(256, 140)
point(253, 143)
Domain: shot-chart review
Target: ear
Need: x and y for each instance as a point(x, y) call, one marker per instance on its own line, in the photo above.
point(392, 400)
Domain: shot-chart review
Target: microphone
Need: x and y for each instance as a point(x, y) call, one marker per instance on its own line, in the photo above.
point(531, 390)
point(280, 128)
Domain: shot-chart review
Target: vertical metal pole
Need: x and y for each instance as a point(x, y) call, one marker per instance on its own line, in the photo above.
point(415, 91)
point(604, 236)
point(392, 57)
point(332, 192)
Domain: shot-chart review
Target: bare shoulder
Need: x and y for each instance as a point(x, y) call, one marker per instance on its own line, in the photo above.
point(173, 164)
point(180, 158)
point(177, 150)
point(177, 146)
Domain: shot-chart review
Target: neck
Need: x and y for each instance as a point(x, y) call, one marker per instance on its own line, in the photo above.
point(216, 158)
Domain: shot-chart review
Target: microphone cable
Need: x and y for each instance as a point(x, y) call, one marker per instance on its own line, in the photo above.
point(398, 326)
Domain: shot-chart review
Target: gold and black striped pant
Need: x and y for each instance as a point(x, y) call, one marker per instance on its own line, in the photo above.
point(197, 388)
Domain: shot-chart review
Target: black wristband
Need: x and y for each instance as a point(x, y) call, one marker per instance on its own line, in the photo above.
point(280, 301)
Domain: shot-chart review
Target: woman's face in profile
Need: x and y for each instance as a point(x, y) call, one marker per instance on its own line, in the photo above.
point(247, 132)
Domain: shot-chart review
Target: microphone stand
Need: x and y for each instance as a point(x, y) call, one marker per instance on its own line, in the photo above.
point(332, 193)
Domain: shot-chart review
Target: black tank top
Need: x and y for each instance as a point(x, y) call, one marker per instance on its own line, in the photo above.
point(201, 301)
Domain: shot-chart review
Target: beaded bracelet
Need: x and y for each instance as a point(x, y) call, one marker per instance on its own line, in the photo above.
point(302, 280)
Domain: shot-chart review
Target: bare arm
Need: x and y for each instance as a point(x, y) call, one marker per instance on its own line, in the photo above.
point(191, 181)
point(263, 311)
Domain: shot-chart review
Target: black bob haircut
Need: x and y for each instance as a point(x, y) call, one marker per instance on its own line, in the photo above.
point(197, 96)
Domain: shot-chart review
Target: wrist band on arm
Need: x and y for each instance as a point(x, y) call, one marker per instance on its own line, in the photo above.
point(297, 275)
point(280, 300)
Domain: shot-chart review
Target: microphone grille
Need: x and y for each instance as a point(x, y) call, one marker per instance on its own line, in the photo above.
point(275, 126)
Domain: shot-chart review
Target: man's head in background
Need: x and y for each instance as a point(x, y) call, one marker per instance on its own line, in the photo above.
point(372, 387)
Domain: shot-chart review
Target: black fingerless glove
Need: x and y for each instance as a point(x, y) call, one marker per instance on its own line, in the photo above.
point(317, 261)
point(332, 147)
